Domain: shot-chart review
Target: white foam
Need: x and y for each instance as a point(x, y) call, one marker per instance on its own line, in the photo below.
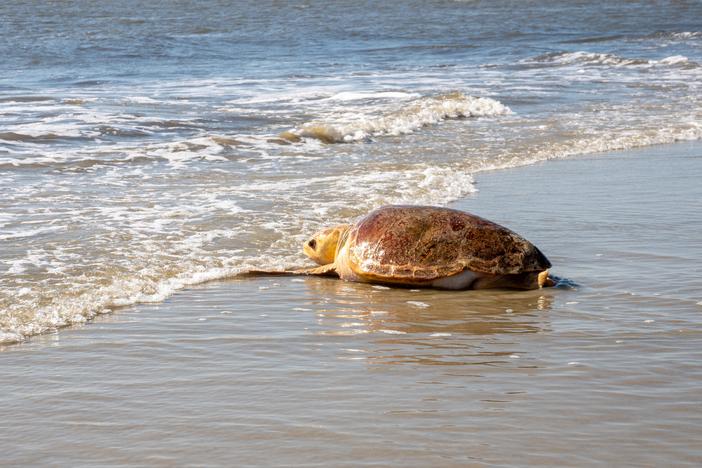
point(356, 96)
point(10, 337)
point(595, 58)
point(31, 232)
point(422, 184)
point(140, 100)
point(567, 58)
point(679, 36)
point(674, 60)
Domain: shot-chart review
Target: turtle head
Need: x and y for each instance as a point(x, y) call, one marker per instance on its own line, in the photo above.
point(322, 246)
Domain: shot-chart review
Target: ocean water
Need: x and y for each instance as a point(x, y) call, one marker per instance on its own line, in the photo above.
point(148, 146)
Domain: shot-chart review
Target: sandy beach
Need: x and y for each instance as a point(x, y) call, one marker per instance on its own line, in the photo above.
point(604, 370)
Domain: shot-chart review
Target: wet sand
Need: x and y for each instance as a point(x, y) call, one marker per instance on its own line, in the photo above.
point(317, 372)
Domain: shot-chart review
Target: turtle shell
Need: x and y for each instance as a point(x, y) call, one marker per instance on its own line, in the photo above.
point(424, 243)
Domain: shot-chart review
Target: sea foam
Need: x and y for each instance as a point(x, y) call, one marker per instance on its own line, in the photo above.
point(606, 59)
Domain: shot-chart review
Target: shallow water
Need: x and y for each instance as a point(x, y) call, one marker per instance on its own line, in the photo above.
point(144, 148)
point(319, 372)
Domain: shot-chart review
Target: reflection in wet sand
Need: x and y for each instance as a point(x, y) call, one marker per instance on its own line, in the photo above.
point(428, 326)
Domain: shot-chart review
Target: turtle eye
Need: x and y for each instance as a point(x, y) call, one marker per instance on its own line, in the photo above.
point(312, 244)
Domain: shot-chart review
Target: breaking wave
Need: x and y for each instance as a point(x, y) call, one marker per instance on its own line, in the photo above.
point(594, 59)
point(414, 115)
point(678, 36)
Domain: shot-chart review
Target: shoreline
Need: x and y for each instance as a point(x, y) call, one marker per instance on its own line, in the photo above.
point(464, 203)
point(279, 371)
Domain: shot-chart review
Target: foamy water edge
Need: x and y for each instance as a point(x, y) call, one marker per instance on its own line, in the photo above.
point(106, 300)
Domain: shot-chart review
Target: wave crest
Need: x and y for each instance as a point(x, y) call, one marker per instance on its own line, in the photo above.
point(678, 36)
point(594, 58)
point(416, 114)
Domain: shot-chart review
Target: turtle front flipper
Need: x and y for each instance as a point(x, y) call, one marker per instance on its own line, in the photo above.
point(324, 270)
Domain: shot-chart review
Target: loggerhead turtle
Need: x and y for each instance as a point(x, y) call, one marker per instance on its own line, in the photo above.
point(427, 246)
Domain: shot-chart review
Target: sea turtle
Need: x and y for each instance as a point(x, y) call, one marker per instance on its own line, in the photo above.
point(426, 246)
